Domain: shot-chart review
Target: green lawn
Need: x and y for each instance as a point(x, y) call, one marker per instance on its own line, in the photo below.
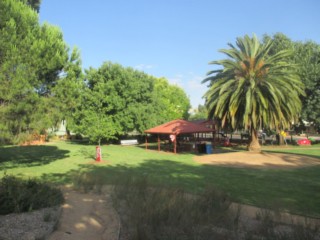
point(295, 190)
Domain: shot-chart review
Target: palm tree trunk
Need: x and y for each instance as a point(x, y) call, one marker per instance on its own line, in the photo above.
point(281, 139)
point(254, 145)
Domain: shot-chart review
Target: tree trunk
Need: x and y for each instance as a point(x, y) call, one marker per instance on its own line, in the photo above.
point(281, 139)
point(254, 145)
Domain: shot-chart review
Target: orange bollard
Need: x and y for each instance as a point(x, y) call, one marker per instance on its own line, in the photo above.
point(98, 154)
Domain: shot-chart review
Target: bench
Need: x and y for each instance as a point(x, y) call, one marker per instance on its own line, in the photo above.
point(129, 142)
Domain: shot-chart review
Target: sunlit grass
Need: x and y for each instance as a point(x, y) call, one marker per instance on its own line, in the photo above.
point(312, 151)
point(296, 189)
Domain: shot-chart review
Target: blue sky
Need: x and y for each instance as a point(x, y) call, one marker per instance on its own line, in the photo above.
point(174, 39)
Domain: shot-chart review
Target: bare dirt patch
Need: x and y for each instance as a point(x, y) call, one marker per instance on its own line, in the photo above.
point(257, 160)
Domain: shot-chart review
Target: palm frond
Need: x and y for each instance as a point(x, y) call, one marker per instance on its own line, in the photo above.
point(254, 88)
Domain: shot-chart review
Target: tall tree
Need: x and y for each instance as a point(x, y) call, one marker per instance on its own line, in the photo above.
point(117, 99)
point(200, 113)
point(31, 58)
point(34, 4)
point(172, 101)
point(123, 100)
point(93, 118)
point(307, 57)
point(66, 93)
point(253, 89)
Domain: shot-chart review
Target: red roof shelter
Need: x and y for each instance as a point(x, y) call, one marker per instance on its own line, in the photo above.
point(176, 127)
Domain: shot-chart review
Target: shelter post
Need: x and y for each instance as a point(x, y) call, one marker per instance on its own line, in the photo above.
point(146, 141)
point(175, 145)
point(158, 143)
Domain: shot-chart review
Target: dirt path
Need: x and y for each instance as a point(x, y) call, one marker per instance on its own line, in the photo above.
point(258, 160)
point(87, 216)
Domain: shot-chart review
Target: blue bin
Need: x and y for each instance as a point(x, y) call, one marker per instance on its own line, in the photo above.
point(208, 148)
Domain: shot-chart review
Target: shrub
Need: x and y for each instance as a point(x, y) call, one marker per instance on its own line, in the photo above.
point(22, 138)
point(156, 213)
point(17, 195)
point(168, 213)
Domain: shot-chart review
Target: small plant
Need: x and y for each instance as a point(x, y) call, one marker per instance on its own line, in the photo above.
point(306, 232)
point(22, 138)
point(17, 195)
point(169, 213)
point(270, 229)
point(87, 182)
point(87, 153)
point(47, 217)
point(153, 213)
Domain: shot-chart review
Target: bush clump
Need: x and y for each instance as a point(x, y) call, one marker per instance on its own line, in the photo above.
point(18, 195)
point(167, 213)
point(157, 213)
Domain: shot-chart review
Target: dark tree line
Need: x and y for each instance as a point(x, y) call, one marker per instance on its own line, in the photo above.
point(41, 83)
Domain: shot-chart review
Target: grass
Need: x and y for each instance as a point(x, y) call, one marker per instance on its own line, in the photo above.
point(168, 213)
point(312, 151)
point(294, 190)
point(171, 213)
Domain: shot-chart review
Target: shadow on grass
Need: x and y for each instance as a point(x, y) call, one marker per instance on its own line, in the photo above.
point(294, 190)
point(29, 156)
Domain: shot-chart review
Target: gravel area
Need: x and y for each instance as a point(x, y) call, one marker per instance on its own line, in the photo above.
point(33, 225)
point(83, 216)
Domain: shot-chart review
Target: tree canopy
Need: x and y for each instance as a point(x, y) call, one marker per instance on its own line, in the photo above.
point(42, 83)
point(306, 56)
point(200, 113)
point(254, 89)
point(32, 58)
point(34, 4)
point(171, 99)
point(117, 101)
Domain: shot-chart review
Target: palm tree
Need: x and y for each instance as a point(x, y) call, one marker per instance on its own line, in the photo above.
point(254, 89)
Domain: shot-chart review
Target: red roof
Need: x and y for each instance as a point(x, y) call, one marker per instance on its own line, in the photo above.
point(179, 126)
point(205, 122)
